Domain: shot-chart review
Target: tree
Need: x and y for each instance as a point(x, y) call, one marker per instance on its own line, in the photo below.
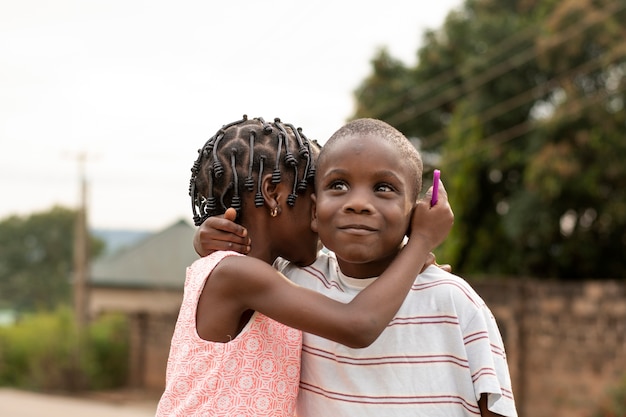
point(524, 102)
point(36, 259)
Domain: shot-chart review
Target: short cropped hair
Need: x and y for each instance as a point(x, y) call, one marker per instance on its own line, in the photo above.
point(384, 132)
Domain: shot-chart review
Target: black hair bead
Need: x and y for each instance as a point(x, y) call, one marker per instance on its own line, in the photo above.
point(258, 199)
point(211, 204)
point(218, 169)
point(302, 185)
point(311, 175)
point(276, 176)
point(290, 160)
point(236, 203)
point(249, 183)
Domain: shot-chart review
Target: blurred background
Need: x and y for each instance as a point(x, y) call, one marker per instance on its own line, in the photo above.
point(104, 104)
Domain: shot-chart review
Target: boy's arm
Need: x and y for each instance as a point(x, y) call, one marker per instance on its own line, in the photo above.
point(484, 411)
point(221, 233)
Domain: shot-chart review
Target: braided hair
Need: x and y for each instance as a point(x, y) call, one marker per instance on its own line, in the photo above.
point(234, 160)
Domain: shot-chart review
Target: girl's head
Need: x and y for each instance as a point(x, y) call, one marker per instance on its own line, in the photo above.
point(233, 160)
point(264, 170)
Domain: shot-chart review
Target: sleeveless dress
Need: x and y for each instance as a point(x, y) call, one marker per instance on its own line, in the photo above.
point(255, 374)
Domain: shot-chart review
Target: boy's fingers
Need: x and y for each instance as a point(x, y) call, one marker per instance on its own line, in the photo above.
point(230, 214)
point(227, 235)
point(234, 247)
point(224, 224)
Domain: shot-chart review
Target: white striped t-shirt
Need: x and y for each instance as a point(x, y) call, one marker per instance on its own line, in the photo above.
point(441, 351)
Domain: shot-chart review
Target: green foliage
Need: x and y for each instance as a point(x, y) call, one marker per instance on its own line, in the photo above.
point(525, 103)
point(45, 352)
point(107, 349)
point(36, 258)
point(36, 352)
point(390, 76)
point(615, 402)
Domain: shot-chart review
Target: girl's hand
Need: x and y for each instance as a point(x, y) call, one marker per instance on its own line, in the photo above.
point(432, 260)
point(432, 223)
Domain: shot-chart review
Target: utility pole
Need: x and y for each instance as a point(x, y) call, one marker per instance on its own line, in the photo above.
point(81, 250)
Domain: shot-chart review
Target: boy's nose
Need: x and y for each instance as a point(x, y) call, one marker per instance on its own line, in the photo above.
point(359, 201)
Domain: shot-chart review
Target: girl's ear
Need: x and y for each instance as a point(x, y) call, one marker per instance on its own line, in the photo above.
point(314, 213)
point(272, 194)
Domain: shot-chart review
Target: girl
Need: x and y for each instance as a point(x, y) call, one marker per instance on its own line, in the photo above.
point(235, 350)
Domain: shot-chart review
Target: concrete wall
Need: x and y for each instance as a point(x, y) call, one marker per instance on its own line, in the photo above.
point(565, 342)
point(152, 314)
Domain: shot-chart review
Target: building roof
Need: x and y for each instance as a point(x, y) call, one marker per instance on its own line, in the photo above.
point(157, 261)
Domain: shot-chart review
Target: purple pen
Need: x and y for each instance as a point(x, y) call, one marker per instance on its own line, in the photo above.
point(435, 196)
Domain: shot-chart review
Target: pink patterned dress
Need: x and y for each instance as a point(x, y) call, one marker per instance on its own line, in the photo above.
point(255, 374)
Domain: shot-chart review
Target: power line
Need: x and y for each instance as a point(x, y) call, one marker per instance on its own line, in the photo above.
point(472, 83)
point(520, 129)
point(527, 96)
point(431, 85)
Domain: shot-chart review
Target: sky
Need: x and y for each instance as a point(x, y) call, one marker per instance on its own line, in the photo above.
point(134, 88)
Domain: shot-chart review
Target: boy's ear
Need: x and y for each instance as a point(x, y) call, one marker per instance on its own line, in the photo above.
point(408, 229)
point(314, 213)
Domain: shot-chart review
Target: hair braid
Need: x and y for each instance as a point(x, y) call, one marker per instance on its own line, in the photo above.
point(249, 180)
point(242, 149)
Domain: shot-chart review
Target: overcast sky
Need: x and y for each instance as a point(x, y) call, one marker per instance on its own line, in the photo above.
point(138, 86)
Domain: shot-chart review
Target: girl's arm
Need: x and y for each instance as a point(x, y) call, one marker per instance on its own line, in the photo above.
point(250, 284)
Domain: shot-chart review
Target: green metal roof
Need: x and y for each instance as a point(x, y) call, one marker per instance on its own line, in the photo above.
point(157, 261)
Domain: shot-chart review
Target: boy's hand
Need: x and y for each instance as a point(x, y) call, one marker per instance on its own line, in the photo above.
point(432, 223)
point(221, 233)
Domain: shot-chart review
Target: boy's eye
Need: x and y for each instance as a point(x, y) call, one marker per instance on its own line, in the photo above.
point(383, 188)
point(338, 185)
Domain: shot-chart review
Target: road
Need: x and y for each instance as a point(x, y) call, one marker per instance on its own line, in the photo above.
point(15, 403)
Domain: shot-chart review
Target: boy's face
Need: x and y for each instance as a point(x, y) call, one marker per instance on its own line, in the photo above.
point(363, 204)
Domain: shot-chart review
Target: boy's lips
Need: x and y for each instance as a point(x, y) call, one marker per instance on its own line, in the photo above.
point(360, 229)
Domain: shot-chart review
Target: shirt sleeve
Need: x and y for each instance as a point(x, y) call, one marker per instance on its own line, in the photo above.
point(488, 363)
point(280, 264)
